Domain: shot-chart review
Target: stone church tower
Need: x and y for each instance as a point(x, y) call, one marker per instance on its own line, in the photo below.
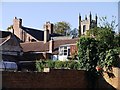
point(86, 24)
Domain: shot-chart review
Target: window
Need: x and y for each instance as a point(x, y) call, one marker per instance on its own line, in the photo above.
point(69, 52)
point(64, 50)
point(84, 28)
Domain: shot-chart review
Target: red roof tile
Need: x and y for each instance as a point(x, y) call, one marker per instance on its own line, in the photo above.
point(35, 46)
point(43, 47)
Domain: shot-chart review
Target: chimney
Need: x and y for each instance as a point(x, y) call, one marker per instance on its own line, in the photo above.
point(46, 35)
point(49, 27)
point(48, 30)
point(17, 23)
point(51, 45)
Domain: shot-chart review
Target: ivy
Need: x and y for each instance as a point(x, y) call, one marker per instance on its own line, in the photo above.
point(92, 53)
point(87, 53)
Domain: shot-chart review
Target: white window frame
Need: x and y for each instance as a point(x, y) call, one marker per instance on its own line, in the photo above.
point(63, 50)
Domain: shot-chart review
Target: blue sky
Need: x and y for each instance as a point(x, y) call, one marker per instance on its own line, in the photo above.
point(35, 14)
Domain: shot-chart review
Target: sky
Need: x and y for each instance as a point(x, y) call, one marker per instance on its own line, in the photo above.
point(35, 14)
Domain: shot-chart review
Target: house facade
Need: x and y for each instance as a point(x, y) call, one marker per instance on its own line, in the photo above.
point(54, 49)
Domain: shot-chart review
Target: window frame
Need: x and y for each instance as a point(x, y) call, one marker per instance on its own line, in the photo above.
point(63, 51)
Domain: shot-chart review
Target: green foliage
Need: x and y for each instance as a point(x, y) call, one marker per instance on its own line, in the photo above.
point(74, 65)
point(109, 25)
point(108, 58)
point(93, 31)
point(59, 65)
point(50, 64)
point(105, 33)
point(10, 27)
point(118, 49)
point(106, 36)
point(61, 27)
point(40, 65)
point(92, 53)
point(117, 40)
point(87, 53)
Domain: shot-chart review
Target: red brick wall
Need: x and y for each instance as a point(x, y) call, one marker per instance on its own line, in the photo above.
point(53, 79)
point(73, 49)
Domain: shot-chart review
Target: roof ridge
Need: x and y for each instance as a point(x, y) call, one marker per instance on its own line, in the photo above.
point(32, 42)
point(33, 28)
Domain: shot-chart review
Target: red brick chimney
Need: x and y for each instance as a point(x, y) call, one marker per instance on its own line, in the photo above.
point(48, 29)
point(17, 24)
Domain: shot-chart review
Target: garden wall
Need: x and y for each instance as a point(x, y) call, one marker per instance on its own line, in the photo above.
point(53, 79)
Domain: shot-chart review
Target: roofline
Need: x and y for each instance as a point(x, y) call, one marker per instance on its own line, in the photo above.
point(33, 28)
point(37, 52)
point(67, 44)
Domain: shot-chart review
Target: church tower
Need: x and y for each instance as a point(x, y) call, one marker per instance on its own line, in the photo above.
point(79, 25)
point(96, 20)
point(90, 19)
point(86, 24)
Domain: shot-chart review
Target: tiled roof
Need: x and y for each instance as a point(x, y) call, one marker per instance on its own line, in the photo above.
point(35, 46)
point(57, 43)
point(43, 47)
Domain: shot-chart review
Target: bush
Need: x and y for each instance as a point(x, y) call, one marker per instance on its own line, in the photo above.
point(40, 65)
point(73, 65)
point(109, 59)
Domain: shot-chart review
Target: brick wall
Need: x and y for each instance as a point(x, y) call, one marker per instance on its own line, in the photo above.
point(53, 79)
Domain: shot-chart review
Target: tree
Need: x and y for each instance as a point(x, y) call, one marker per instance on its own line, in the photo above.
point(91, 56)
point(74, 32)
point(105, 32)
point(10, 27)
point(117, 40)
point(106, 36)
point(87, 53)
point(88, 57)
point(61, 27)
point(105, 24)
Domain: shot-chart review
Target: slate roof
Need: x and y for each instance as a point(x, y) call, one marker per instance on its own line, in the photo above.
point(37, 34)
point(55, 35)
point(4, 34)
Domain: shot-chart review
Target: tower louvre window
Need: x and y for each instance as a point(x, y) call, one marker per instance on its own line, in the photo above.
point(84, 28)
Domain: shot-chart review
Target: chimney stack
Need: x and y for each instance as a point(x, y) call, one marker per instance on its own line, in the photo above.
point(48, 30)
point(49, 26)
point(46, 35)
point(17, 24)
point(51, 45)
